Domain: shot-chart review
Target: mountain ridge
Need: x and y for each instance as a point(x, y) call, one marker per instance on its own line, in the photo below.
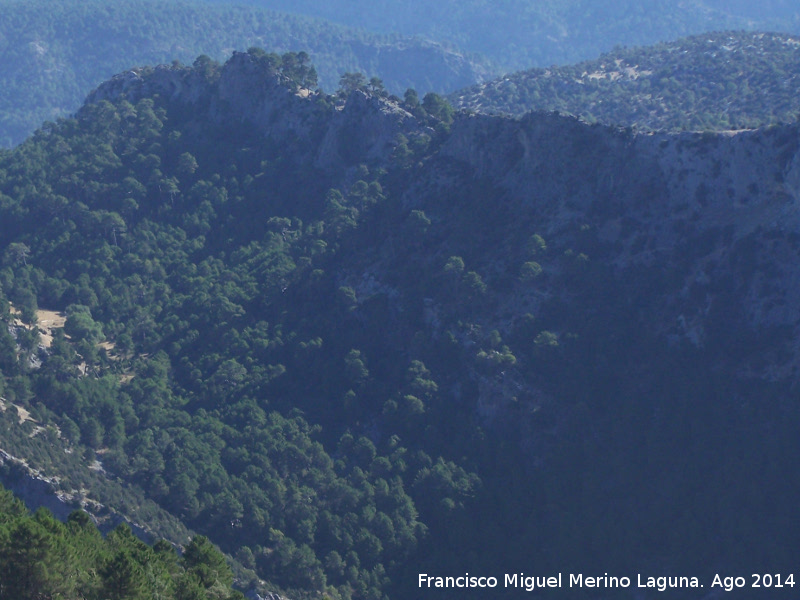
point(712, 81)
point(50, 63)
point(357, 326)
point(529, 34)
point(246, 90)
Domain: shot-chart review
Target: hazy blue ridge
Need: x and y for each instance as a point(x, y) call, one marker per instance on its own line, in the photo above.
point(520, 34)
point(53, 54)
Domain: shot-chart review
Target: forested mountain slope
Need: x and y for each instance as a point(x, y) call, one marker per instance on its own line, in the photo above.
point(714, 81)
point(541, 33)
point(353, 340)
point(53, 53)
point(43, 558)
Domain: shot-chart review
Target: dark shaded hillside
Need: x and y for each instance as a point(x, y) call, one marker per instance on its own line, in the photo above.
point(714, 81)
point(53, 54)
point(353, 340)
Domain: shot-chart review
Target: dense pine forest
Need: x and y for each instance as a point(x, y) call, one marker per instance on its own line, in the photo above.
point(41, 557)
point(210, 420)
point(351, 338)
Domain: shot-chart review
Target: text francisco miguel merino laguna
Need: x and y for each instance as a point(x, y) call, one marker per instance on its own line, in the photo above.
point(577, 580)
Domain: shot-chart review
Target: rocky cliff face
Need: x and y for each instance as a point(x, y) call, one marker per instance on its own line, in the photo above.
point(747, 180)
point(688, 203)
point(718, 215)
point(312, 130)
point(37, 490)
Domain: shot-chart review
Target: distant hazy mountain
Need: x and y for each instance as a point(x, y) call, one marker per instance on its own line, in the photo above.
point(520, 34)
point(710, 81)
point(53, 54)
point(771, 9)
